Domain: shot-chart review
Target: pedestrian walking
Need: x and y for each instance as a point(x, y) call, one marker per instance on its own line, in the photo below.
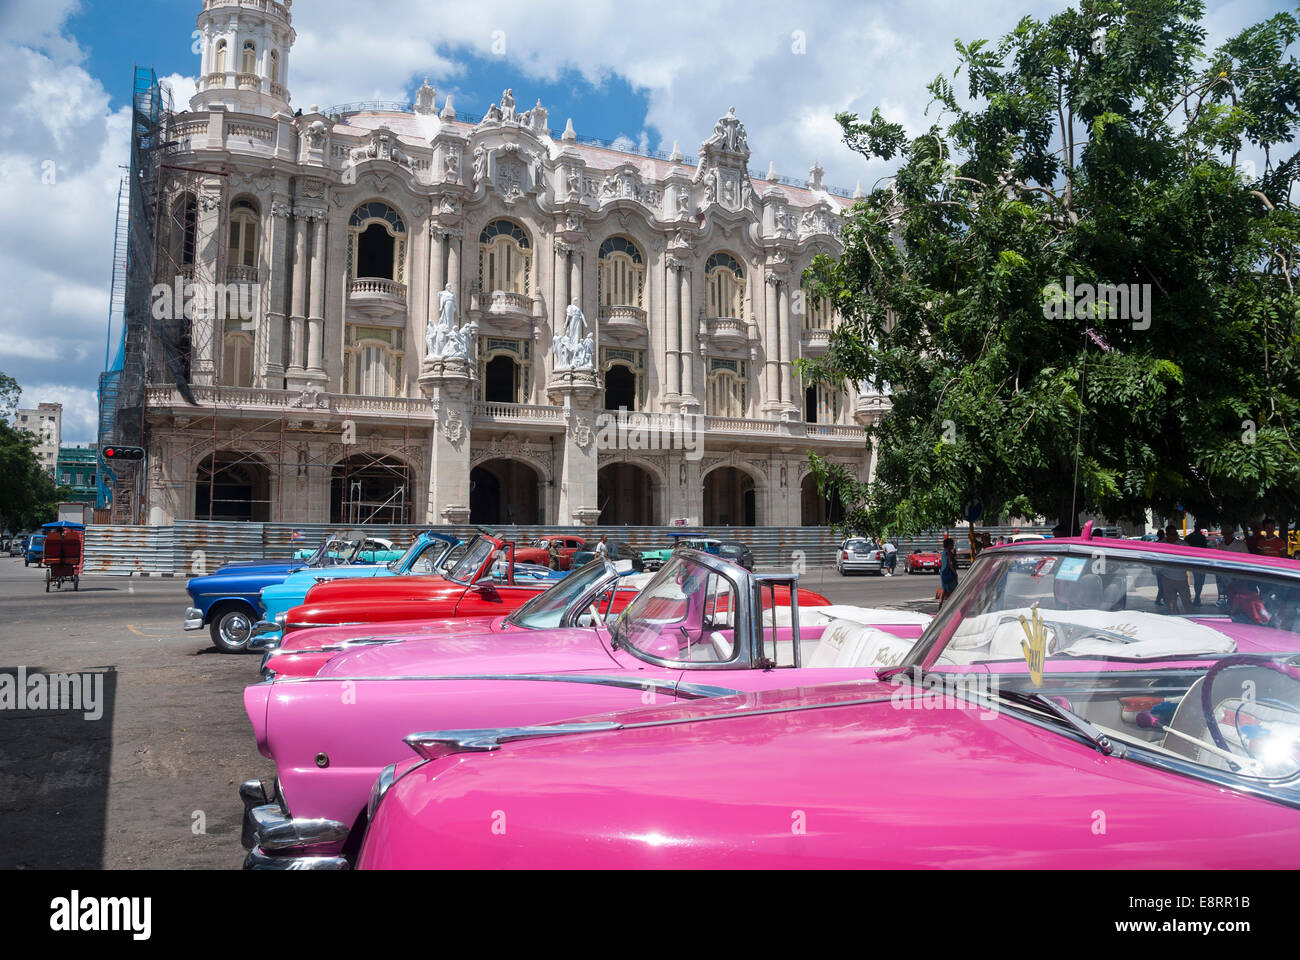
point(1160, 583)
point(602, 548)
point(1178, 596)
point(1197, 539)
point(553, 555)
point(891, 558)
point(947, 570)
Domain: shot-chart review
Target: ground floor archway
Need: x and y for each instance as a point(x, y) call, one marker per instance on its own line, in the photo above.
point(730, 498)
point(371, 489)
point(229, 485)
point(626, 495)
point(817, 510)
point(504, 491)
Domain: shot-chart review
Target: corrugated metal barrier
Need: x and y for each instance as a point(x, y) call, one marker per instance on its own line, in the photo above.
point(192, 547)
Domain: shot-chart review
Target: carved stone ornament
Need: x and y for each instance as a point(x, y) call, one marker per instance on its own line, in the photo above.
point(454, 427)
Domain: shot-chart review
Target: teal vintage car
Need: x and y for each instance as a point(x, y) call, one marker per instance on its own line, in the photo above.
point(654, 559)
point(374, 550)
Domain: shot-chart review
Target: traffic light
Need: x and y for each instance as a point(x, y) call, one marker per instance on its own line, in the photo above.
point(116, 453)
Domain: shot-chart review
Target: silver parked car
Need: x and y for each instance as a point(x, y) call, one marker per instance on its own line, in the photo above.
point(859, 555)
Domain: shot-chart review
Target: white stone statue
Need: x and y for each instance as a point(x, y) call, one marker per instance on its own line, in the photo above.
point(441, 339)
point(573, 348)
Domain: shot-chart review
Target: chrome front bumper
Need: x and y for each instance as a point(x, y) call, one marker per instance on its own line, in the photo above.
point(193, 618)
point(276, 841)
point(266, 633)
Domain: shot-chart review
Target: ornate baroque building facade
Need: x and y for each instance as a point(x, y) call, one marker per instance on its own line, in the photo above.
point(325, 401)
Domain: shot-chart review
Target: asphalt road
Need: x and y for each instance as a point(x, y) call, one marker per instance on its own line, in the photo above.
point(152, 781)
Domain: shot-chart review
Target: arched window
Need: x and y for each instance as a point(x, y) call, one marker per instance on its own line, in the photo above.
point(504, 258)
point(248, 59)
point(237, 359)
point(376, 243)
point(242, 248)
point(275, 66)
point(219, 59)
point(622, 274)
point(724, 280)
point(504, 370)
point(822, 403)
point(373, 361)
point(728, 387)
point(624, 377)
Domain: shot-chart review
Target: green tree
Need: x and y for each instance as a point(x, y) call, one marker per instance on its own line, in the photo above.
point(1102, 147)
point(28, 495)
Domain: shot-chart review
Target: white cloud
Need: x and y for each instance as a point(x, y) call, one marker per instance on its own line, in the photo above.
point(80, 409)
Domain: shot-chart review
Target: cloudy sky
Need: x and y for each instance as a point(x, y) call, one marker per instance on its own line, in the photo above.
point(652, 72)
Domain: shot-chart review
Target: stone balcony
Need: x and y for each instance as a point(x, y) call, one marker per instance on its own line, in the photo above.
point(727, 332)
point(377, 298)
point(814, 341)
point(625, 323)
point(529, 417)
point(238, 273)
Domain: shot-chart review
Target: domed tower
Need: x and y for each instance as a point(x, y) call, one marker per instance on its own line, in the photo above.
point(245, 55)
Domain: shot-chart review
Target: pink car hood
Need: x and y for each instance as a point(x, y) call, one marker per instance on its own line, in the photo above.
point(314, 638)
point(866, 785)
point(513, 651)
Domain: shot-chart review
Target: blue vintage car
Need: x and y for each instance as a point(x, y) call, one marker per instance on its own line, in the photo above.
point(228, 602)
point(34, 550)
point(430, 553)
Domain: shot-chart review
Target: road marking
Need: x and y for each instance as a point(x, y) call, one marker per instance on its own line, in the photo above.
point(131, 627)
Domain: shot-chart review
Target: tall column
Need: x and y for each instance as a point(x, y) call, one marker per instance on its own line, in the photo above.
point(437, 270)
point(206, 327)
point(688, 339)
point(771, 346)
point(787, 354)
point(673, 326)
point(575, 391)
point(453, 262)
point(575, 279)
point(315, 313)
point(272, 331)
point(299, 293)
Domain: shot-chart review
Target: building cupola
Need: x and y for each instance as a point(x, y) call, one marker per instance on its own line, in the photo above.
point(244, 48)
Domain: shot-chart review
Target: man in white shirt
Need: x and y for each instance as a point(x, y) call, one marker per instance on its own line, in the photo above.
point(602, 548)
point(891, 558)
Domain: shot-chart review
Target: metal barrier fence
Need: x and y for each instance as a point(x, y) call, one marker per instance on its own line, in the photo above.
point(192, 547)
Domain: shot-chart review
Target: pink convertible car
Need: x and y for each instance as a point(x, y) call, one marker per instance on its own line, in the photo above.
point(1054, 715)
point(702, 627)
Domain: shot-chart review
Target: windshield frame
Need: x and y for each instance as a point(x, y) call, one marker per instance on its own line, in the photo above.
point(477, 572)
point(742, 582)
point(604, 573)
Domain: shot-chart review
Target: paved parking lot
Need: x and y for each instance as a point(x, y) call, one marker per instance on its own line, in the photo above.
point(151, 782)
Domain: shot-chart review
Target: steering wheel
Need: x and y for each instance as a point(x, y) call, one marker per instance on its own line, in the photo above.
point(1207, 686)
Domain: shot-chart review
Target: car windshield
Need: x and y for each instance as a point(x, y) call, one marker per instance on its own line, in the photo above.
point(426, 550)
point(683, 615)
point(1187, 660)
point(546, 610)
point(476, 554)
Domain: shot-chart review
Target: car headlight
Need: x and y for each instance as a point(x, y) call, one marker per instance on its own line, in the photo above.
point(281, 619)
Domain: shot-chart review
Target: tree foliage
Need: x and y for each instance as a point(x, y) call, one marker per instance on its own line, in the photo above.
point(28, 495)
point(1080, 158)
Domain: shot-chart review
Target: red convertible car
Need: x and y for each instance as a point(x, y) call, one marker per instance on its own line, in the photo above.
point(469, 589)
point(538, 551)
point(922, 561)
